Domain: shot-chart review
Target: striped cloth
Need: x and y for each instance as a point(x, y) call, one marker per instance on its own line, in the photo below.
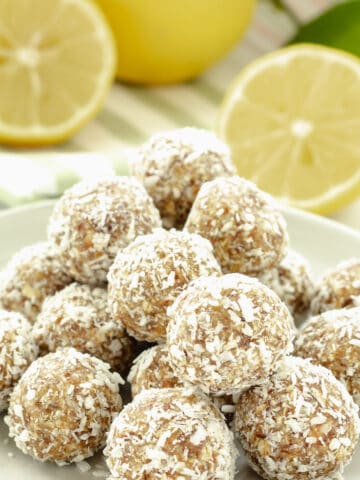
point(131, 114)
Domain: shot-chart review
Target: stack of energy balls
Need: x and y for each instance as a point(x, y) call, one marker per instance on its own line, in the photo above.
point(191, 264)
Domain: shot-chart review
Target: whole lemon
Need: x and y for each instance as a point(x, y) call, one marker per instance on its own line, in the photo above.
point(168, 41)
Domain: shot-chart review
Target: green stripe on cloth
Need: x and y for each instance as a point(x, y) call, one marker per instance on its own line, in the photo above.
point(180, 115)
point(121, 127)
point(212, 93)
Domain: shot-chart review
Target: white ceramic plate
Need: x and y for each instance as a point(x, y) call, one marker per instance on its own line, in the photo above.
point(322, 241)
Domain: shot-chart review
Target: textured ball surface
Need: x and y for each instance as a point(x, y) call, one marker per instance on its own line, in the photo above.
point(301, 425)
point(173, 165)
point(94, 219)
point(78, 316)
point(32, 274)
point(332, 339)
point(172, 433)
point(246, 230)
point(338, 288)
point(152, 369)
point(228, 333)
point(63, 406)
point(17, 350)
point(149, 274)
point(292, 281)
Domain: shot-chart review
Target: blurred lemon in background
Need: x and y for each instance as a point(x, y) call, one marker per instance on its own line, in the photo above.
point(57, 62)
point(166, 41)
point(292, 120)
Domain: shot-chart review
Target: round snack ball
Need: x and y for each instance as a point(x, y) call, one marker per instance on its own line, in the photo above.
point(174, 433)
point(173, 165)
point(228, 333)
point(338, 288)
point(152, 369)
point(246, 230)
point(17, 350)
point(292, 281)
point(301, 425)
point(63, 406)
point(148, 275)
point(94, 219)
point(332, 339)
point(78, 317)
point(31, 275)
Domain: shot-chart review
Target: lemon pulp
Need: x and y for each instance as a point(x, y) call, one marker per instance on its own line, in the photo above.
point(292, 119)
point(57, 61)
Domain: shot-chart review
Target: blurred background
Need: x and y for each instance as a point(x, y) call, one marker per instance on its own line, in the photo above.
point(175, 62)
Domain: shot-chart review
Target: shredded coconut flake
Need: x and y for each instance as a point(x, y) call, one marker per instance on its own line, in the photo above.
point(96, 218)
point(250, 236)
point(148, 275)
point(32, 274)
point(338, 288)
point(78, 316)
point(67, 432)
point(179, 434)
point(215, 343)
point(18, 350)
point(292, 281)
point(332, 339)
point(306, 439)
point(173, 165)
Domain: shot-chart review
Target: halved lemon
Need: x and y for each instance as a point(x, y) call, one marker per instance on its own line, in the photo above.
point(57, 61)
point(292, 120)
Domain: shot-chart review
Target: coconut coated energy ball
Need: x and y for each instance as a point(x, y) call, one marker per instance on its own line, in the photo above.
point(173, 165)
point(63, 406)
point(228, 333)
point(149, 274)
point(332, 339)
point(17, 350)
point(300, 425)
point(32, 274)
point(247, 231)
point(94, 219)
point(174, 433)
point(152, 369)
point(338, 288)
point(78, 316)
point(292, 281)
